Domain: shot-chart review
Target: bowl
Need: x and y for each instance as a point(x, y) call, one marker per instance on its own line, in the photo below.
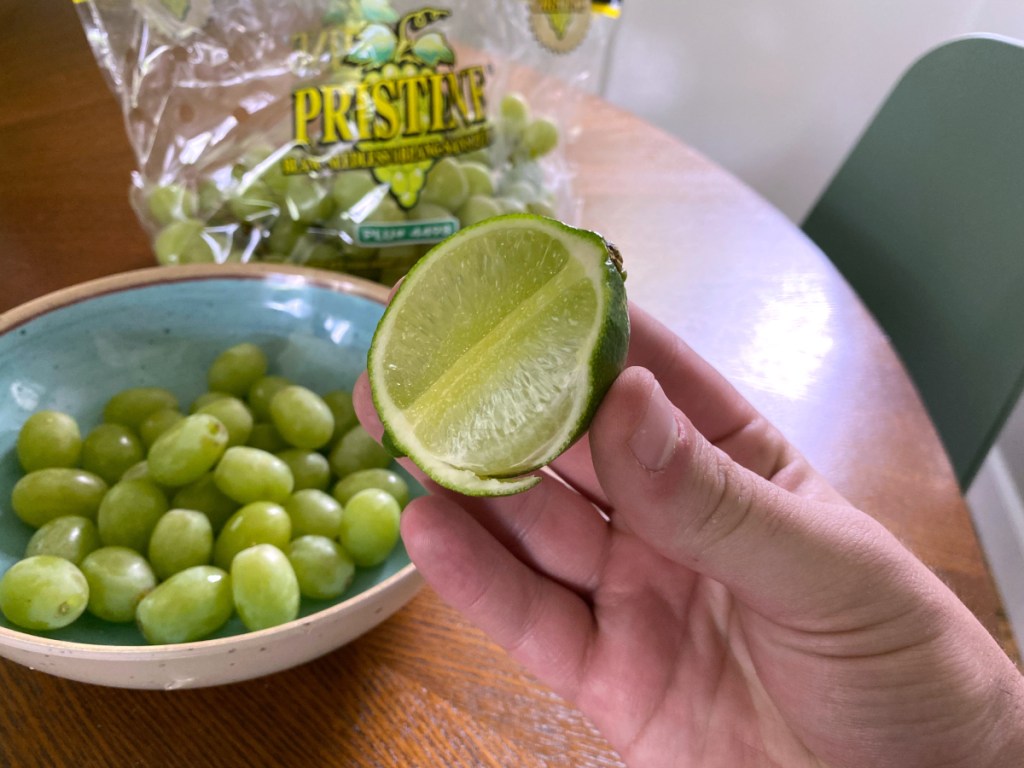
point(71, 350)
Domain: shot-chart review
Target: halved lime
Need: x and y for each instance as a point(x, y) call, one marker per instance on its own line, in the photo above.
point(496, 350)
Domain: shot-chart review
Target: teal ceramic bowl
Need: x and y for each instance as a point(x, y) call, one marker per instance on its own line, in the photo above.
point(73, 349)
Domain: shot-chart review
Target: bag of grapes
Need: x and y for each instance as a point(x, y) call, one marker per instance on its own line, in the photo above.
point(345, 134)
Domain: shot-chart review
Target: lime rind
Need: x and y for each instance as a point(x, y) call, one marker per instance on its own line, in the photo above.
point(576, 268)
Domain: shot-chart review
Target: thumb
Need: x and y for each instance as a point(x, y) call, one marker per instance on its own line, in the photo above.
point(693, 504)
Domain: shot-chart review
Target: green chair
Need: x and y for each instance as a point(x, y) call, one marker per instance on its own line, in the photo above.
point(925, 219)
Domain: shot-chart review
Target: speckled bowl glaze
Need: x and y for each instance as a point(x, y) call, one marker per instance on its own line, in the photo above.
point(71, 350)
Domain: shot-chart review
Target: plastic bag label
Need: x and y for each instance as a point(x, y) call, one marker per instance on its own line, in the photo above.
point(395, 111)
point(344, 134)
point(406, 233)
point(561, 26)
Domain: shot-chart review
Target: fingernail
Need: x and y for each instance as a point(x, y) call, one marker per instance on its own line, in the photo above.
point(654, 440)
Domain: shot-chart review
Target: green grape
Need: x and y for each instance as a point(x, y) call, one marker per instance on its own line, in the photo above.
point(156, 423)
point(481, 156)
point(188, 450)
point(236, 369)
point(382, 479)
point(510, 205)
point(181, 539)
point(284, 234)
point(540, 137)
point(262, 392)
point(118, 578)
point(344, 228)
point(263, 163)
point(109, 450)
point(45, 494)
point(306, 201)
point(205, 399)
point(387, 212)
point(204, 496)
point(261, 522)
point(190, 605)
point(264, 587)
point(302, 418)
point(429, 212)
point(49, 439)
point(309, 468)
point(273, 175)
point(313, 512)
point(541, 208)
point(249, 474)
point(321, 254)
point(322, 567)
point(129, 512)
point(479, 179)
point(351, 187)
point(71, 537)
point(521, 190)
point(140, 471)
point(357, 450)
point(130, 407)
point(171, 202)
point(43, 592)
point(396, 260)
point(370, 526)
point(478, 208)
point(446, 185)
point(529, 171)
point(265, 437)
point(210, 198)
point(514, 113)
point(233, 414)
point(344, 413)
point(254, 204)
point(303, 248)
point(184, 242)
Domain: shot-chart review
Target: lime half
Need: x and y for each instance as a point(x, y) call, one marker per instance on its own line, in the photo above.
point(496, 350)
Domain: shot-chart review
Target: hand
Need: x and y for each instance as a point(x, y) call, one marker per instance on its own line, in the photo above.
point(726, 607)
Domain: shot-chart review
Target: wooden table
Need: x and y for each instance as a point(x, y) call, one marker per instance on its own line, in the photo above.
point(705, 254)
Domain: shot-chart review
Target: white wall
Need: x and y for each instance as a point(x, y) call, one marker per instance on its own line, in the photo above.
point(778, 91)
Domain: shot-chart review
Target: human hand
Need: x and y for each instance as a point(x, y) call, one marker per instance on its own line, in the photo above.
point(725, 607)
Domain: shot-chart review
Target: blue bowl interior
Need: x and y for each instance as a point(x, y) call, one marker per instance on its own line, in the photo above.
point(74, 358)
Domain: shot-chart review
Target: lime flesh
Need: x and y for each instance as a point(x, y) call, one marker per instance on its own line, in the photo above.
point(496, 350)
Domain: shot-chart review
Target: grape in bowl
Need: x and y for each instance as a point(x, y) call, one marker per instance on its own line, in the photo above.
point(71, 351)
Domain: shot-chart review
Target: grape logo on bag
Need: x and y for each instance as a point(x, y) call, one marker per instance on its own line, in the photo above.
point(562, 25)
point(396, 102)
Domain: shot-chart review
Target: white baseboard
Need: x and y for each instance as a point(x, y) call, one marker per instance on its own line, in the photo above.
point(995, 499)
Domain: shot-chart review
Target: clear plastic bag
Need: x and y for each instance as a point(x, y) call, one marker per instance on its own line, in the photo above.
point(346, 134)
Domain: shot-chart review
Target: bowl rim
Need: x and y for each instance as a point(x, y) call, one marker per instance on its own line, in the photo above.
point(12, 318)
point(152, 276)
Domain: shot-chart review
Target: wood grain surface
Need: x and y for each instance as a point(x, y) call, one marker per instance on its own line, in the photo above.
point(706, 255)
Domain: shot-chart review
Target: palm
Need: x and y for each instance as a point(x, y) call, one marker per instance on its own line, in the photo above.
point(616, 599)
point(666, 669)
point(671, 640)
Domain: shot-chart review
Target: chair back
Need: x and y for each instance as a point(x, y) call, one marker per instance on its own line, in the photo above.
point(925, 219)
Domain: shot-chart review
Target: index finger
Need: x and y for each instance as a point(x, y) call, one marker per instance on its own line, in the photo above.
point(695, 387)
